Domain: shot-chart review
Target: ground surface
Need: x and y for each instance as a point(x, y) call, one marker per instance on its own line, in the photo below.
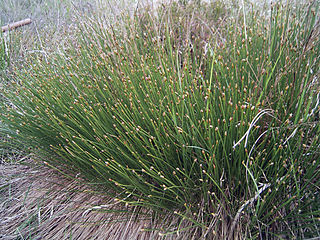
point(40, 204)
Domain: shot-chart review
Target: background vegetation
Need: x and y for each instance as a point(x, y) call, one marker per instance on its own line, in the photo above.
point(185, 110)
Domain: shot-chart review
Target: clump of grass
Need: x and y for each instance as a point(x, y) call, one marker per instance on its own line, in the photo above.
point(227, 141)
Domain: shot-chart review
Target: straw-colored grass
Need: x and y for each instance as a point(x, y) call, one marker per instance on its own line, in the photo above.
point(38, 203)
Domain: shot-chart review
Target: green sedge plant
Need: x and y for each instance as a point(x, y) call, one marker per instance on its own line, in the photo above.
point(226, 134)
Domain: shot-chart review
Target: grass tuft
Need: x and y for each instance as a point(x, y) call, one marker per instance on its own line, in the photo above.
point(224, 134)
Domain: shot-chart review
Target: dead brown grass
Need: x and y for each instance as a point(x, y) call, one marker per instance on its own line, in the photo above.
point(38, 203)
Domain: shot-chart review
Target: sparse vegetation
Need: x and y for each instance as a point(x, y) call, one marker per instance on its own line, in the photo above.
point(3, 55)
point(218, 127)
